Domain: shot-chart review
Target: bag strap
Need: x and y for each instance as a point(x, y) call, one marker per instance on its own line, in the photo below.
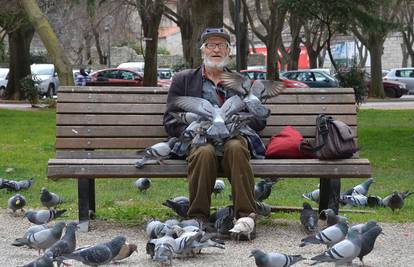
point(323, 130)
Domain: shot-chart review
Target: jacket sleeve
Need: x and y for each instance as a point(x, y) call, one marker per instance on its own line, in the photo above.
point(177, 88)
point(257, 124)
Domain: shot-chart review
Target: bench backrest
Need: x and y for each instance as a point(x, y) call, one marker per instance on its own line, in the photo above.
point(92, 120)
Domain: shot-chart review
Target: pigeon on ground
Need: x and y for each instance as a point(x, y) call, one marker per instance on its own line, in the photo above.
point(12, 185)
point(273, 259)
point(218, 116)
point(309, 218)
point(368, 241)
point(343, 252)
point(159, 152)
point(16, 202)
point(332, 218)
point(361, 189)
point(49, 199)
point(66, 245)
point(329, 236)
point(253, 92)
point(223, 219)
point(43, 216)
point(374, 201)
point(179, 204)
point(356, 200)
point(99, 254)
point(3, 183)
point(396, 200)
point(126, 251)
point(31, 230)
point(244, 226)
point(157, 229)
point(45, 238)
point(218, 187)
point(314, 195)
point(364, 227)
point(263, 209)
point(162, 249)
point(143, 184)
point(43, 261)
point(263, 188)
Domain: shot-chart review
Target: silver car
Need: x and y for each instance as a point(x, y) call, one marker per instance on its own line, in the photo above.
point(404, 75)
point(311, 77)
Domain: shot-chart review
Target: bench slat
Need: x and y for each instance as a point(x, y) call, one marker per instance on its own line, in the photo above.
point(279, 169)
point(69, 101)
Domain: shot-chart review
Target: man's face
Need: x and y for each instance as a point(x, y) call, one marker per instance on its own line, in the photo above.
point(215, 52)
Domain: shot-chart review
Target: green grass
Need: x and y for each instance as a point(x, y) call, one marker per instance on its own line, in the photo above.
point(27, 142)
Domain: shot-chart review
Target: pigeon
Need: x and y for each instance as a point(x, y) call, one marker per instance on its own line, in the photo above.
point(162, 249)
point(99, 254)
point(183, 245)
point(253, 93)
point(183, 117)
point(43, 216)
point(159, 152)
point(179, 204)
point(263, 209)
point(364, 227)
point(309, 218)
point(223, 219)
point(343, 252)
point(143, 184)
point(45, 238)
point(374, 201)
point(274, 259)
point(396, 200)
point(126, 251)
point(49, 199)
point(329, 236)
point(332, 218)
point(218, 116)
point(314, 195)
point(361, 189)
point(16, 202)
point(12, 185)
point(356, 200)
point(31, 230)
point(43, 261)
point(154, 229)
point(244, 226)
point(263, 188)
point(66, 245)
point(218, 187)
point(368, 241)
point(3, 183)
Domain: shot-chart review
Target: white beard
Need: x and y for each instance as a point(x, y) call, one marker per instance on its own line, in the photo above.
point(220, 65)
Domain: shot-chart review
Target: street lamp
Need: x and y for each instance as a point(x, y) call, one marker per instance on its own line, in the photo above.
point(108, 32)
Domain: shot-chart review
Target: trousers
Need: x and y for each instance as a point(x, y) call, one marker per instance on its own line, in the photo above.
point(203, 168)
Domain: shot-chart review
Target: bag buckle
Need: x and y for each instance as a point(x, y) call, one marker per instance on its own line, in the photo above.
point(323, 126)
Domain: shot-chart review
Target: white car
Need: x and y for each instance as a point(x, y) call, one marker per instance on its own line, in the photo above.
point(4, 77)
point(135, 66)
point(47, 76)
point(404, 75)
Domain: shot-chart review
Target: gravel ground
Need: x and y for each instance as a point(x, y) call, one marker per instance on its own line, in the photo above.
point(395, 248)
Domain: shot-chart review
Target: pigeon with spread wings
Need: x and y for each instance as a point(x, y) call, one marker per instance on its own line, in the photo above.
point(253, 92)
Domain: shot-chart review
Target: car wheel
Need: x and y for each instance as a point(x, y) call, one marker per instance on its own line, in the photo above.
point(50, 90)
point(392, 93)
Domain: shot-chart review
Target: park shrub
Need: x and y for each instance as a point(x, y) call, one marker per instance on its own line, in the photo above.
point(354, 77)
point(29, 88)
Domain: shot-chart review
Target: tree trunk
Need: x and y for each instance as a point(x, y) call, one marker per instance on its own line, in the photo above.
point(375, 48)
point(183, 10)
point(313, 57)
point(50, 41)
point(151, 13)
point(204, 13)
point(19, 50)
point(405, 55)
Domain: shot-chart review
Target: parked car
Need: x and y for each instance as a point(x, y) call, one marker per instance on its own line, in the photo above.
point(4, 77)
point(119, 77)
point(392, 89)
point(47, 76)
point(404, 75)
point(165, 73)
point(313, 78)
point(262, 74)
point(135, 66)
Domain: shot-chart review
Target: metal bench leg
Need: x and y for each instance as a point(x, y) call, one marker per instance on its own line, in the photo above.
point(86, 201)
point(330, 189)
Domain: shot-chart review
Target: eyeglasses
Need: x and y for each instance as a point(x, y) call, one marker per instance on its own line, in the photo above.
point(212, 46)
point(214, 30)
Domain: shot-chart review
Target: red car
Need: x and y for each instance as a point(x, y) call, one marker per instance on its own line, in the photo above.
point(261, 75)
point(118, 77)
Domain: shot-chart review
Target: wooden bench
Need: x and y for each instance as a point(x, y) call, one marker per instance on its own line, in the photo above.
point(99, 130)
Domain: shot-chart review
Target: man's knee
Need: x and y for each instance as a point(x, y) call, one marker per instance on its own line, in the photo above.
point(204, 152)
point(235, 145)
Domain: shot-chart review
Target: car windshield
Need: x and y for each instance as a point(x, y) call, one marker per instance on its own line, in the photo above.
point(164, 74)
point(42, 71)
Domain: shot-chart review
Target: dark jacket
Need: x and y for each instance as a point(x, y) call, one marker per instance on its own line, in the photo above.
point(190, 83)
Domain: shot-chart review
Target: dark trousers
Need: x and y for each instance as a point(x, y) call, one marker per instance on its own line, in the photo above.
point(203, 166)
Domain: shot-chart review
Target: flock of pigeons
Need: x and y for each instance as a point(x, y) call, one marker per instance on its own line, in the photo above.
point(206, 122)
point(59, 245)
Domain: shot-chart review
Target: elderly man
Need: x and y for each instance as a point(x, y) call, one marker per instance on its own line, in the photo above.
point(203, 164)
